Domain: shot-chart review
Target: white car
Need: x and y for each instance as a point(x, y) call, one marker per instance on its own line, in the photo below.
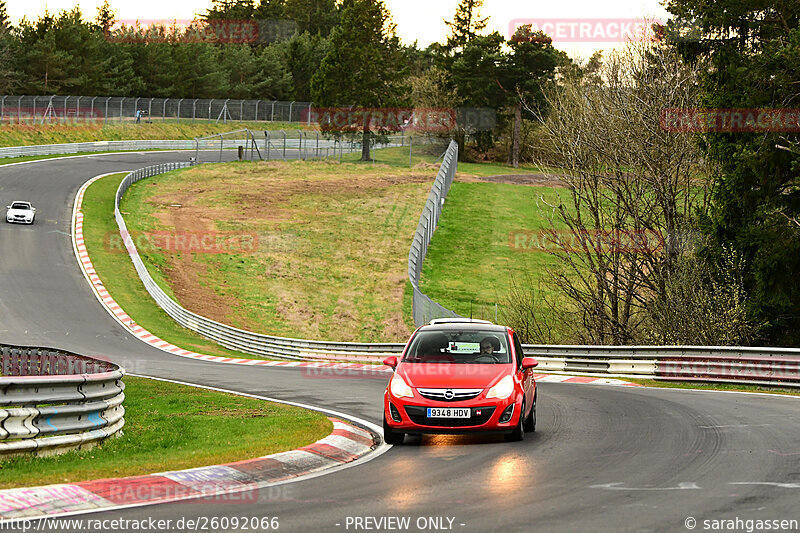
point(22, 212)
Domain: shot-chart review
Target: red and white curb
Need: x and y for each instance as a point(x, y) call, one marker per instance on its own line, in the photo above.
point(327, 369)
point(238, 482)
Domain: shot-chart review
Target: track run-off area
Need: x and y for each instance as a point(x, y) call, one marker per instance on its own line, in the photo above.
point(603, 458)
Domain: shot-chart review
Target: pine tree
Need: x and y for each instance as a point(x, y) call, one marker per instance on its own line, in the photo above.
point(8, 77)
point(466, 24)
point(364, 66)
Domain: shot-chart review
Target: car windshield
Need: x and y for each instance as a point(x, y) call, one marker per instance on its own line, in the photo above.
point(20, 205)
point(465, 347)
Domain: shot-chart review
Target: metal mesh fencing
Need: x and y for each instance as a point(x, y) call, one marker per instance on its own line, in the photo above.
point(103, 109)
point(424, 308)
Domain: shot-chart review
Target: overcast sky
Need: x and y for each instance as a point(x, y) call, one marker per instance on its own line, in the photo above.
point(420, 20)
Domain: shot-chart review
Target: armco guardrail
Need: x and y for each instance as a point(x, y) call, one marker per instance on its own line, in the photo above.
point(108, 146)
point(424, 308)
point(778, 367)
point(53, 401)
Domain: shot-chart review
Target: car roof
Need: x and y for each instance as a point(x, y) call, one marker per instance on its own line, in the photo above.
point(20, 202)
point(465, 326)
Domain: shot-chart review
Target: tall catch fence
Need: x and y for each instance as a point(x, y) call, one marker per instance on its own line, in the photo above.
point(103, 109)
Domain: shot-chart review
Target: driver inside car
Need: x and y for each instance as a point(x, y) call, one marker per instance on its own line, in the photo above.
point(489, 345)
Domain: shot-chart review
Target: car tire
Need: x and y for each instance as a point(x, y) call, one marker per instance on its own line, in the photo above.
point(530, 420)
point(391, 436)
point(518, 433)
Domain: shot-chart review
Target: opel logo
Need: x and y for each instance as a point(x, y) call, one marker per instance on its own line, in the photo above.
point(448, 394)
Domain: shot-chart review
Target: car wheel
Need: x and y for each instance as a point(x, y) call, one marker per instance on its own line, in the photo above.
point(391, 436)
point(530, 421)
point(518, 433)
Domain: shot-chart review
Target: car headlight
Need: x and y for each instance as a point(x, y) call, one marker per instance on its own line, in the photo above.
point(502, 389)
point(400, 388)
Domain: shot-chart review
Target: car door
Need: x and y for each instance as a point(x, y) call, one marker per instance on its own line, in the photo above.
point(527, 375)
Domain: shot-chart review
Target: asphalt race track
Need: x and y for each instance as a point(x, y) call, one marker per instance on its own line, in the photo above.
point(602, 459)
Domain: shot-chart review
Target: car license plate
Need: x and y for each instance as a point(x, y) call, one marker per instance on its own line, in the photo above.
point(448, 412)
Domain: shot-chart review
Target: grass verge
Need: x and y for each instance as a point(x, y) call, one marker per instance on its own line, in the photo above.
point(474, 253)
point(713, 386)
point(32, 134)
point(173, 427)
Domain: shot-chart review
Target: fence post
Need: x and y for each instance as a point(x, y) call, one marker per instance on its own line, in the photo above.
point(194, 108)
point(164, 111)
point(2, 107)
point(65, 108)
point(221, 141)
point(105, 116)
point(150, 109)
point(241, 113)
point(290, 111)
point(256, 117)
point(308, 123)
point(136, 106)
point(120, 108)
point(284, 145)
point(209, 108)
point(19, 110)
point(266, 134)
point(34, 110)
point(272, 117)
point(317, 145)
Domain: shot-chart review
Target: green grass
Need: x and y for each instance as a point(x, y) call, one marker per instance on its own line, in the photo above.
point(119, 277)
point(474, 254)
point(32, 134)
point(173, 427)
point(713, 386)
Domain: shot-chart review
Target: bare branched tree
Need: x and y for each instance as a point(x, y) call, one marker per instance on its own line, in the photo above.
point(633, 186)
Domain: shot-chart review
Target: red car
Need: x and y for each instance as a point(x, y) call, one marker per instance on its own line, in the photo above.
point(460, 376)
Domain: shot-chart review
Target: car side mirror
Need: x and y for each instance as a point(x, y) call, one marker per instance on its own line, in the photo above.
point(529, 362)
point(8, 207)
point(391, 361)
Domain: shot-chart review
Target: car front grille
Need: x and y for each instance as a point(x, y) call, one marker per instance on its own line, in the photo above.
point(459, 395)
point(419, 415)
